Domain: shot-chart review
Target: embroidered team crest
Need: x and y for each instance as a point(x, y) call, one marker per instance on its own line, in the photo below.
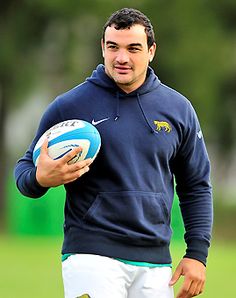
point(163, 125)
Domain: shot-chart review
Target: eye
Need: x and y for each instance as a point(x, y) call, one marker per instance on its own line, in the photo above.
point(134, 49)
point(112, 47)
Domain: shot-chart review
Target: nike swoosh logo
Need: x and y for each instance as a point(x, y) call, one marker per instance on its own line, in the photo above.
point(99, 121)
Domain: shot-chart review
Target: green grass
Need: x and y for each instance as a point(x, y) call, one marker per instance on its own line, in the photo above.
point(220, 269)
point(31, 267)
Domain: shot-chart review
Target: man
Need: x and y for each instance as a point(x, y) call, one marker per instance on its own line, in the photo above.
point(117, 211)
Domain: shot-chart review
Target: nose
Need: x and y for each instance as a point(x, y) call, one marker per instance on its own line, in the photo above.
point(122, 56)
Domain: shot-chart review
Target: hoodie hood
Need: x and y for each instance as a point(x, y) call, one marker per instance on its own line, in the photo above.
point(100, 78)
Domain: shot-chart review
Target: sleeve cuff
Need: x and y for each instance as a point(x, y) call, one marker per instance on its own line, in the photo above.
point(197, 249)
point(36, 188)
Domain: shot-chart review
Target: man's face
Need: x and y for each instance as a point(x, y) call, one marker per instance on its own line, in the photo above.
point(126, 56)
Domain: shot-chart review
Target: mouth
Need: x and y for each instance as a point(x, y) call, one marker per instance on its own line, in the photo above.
point(122, 69)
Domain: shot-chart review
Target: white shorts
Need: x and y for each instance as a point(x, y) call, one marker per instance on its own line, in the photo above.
point(103, 277)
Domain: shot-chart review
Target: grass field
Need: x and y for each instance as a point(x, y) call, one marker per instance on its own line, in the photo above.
point(31, 268)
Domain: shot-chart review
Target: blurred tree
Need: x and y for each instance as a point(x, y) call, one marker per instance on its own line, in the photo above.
point(225, 12)
point(18, 27)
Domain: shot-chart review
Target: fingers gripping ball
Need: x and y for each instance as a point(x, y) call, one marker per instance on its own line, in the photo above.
point(65, 136)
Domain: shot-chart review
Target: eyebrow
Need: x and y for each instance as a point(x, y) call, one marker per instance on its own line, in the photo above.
point(129, 45)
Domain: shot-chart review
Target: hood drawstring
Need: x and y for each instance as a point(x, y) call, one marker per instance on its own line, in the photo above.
point(144, 116)
point(117, 106)
point(141, 109)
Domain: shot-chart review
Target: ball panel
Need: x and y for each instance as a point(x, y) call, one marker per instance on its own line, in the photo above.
point(58, 150)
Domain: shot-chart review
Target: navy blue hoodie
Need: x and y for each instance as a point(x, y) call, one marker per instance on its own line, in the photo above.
point(121, 208)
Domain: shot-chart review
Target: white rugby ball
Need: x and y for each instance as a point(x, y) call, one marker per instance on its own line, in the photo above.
point(65, 136)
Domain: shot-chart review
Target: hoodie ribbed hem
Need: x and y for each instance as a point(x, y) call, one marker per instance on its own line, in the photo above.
point(82, 241)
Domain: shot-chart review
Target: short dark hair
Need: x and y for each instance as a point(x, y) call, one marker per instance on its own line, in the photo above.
point(126, 18)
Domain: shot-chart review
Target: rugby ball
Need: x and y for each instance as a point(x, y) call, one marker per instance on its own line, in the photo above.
point(65, 136)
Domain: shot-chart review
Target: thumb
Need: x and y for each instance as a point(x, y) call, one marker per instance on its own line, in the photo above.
point(44, 147)
point(176, 276)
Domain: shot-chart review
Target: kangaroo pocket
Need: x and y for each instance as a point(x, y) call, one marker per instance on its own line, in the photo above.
point(140, 216)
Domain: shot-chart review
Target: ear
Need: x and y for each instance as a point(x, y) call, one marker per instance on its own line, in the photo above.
point(152, 52)
point(102, 46)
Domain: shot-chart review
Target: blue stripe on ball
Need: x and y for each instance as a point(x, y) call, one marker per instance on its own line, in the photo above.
point(93, 149)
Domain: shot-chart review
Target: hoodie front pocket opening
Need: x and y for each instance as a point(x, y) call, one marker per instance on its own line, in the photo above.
point(136, 214)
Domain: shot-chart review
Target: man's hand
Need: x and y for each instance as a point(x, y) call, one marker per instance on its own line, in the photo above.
point(194, 273)
point(51, 173)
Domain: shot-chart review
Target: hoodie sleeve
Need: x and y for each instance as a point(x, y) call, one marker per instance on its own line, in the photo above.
point(192, 175)
point(25, 170)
